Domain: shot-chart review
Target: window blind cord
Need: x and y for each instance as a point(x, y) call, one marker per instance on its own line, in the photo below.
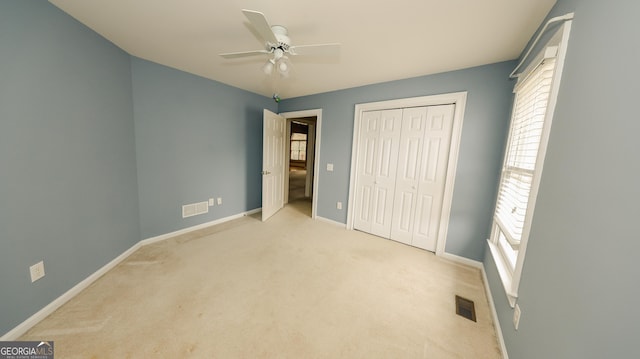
point(533, 45)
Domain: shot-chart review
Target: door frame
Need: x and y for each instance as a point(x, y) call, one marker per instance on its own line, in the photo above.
point(311, 157)
point(459, 99)
point(317, 113)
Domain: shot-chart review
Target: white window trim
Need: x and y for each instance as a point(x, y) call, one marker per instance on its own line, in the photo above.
point(511, 277)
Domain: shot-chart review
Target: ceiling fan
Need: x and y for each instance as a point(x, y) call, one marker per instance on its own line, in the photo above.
point(278, 45)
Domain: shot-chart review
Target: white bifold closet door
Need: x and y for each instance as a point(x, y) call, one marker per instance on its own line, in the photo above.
point(402, 166)
point(421, 175)
point(377, 167)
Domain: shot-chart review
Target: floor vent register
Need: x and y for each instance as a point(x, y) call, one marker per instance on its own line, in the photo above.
point(465, 308)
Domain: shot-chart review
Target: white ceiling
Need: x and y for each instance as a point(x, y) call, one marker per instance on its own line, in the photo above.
point(381, 40)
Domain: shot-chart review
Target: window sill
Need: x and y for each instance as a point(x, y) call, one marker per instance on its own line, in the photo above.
point(504, 273)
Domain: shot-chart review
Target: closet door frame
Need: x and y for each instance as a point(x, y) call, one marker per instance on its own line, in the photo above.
point(459, 99)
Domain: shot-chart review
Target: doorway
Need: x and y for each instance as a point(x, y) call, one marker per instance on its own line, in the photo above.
point(302, 154)
point(301, 157)
point(300, 146)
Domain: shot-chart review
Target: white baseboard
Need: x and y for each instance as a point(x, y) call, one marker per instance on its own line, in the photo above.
point(331, 221)
point(485, 282)
point(494, 313)
point(165, 236)
point(23, 327)
point(462, 260)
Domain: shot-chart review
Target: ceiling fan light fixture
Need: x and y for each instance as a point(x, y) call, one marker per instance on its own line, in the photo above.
point(284, 66)
point(268, 67)
point(277, 53)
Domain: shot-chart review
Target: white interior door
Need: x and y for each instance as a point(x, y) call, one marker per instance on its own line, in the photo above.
point(379, 141)
point(402, 169)
point(433, 175)
point(273, 169)
point(369, 134)
point(409, 161)
point(426, 157)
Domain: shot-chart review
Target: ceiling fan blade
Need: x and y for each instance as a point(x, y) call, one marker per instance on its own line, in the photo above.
point(316, 50)
point(261, 25)
point(233, 55)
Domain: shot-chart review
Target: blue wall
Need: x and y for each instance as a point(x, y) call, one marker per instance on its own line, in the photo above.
point(87, 134)
point(195, 139)
point(68, 190)
point(579, 289)
point(483, 137)
point(99, 149)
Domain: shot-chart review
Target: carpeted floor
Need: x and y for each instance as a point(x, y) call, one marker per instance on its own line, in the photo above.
point(291, 287)
point(297, 179)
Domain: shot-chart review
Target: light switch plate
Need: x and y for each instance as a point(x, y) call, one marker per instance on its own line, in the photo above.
point(330, 167)
point(37, 271)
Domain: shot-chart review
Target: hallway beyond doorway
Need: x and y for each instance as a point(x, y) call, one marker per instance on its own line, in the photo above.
point(297, 178)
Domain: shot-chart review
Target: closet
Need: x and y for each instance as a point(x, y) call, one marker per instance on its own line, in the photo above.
point(402, 158)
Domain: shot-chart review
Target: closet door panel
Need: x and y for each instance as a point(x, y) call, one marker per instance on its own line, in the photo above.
point(367, 163)
point(386, 170)
point(433, 171)
point(408, 172)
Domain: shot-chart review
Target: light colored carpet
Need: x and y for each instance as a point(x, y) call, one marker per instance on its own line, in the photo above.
point(288, 288)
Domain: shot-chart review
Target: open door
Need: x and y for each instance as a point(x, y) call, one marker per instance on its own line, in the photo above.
point(273, 135)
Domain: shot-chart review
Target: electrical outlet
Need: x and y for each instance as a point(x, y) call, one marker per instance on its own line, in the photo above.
point(329, 167)
point(219, 201)
point(339, 205)
point(37, 271)
point(516, 316)
point(210, 202)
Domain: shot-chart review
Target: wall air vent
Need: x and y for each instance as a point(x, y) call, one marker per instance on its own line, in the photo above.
point(194, 209)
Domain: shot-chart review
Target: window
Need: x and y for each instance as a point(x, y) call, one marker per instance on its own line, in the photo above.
point(535, 95)
point(298, 147)
point(525, 135)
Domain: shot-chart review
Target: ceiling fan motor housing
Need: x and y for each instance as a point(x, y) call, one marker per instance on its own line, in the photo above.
point(281, 34)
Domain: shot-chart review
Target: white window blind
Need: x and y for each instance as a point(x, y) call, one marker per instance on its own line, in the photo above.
point(532, 97)
point(536, 94)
